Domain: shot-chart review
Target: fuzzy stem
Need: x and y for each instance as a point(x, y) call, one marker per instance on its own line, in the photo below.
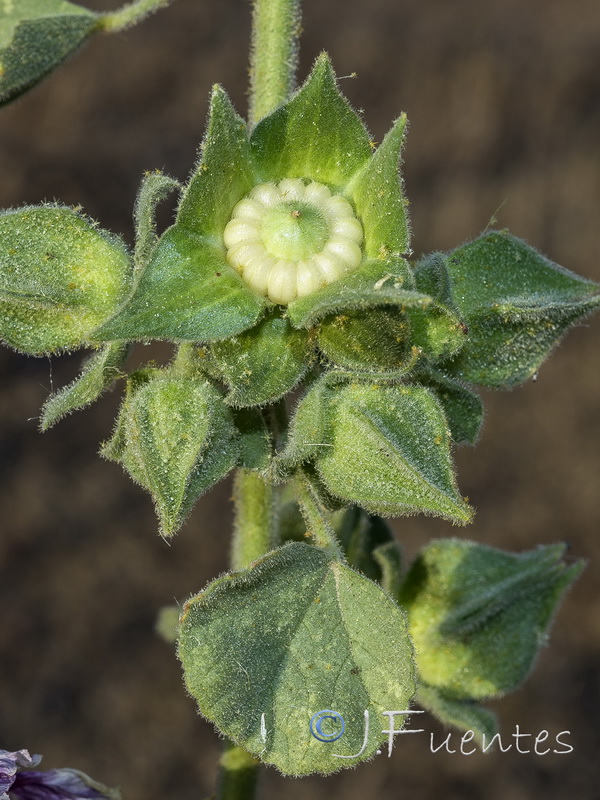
point(274, 54)
point(254, 532)
point(129, 15)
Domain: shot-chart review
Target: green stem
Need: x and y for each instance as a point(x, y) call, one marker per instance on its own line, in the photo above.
point(255, 518)
point(129, 15)
point(273, 59)
point(274, 54)
point(238, 774)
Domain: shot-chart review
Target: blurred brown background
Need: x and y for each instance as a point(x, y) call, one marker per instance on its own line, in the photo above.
point(503, 101)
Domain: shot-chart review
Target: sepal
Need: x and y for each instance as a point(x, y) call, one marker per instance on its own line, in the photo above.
point(187, 292)
point(375, 283)
point(362, 340)
point(223, 174)
point(462, 406)
point(98, 374)
point(478, 615)
point(377, 195)
point(261, 365)
point(389, 452)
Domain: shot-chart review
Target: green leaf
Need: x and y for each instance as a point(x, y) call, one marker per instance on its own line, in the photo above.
point(375, 283)
point(295, 634)
point(60, 277)
point(188, 292)
point(390, 452)
point(316, 135)
point(462, 714)
point(98, 374)
point(176, 438)
point(255, 440)
point(516, 303)
point(262, 364)
point(377, 195)
point(35, 37)
point(223, 174)
point(478, 615)
point(463, 408)
point(373, 339)
point(154, 188)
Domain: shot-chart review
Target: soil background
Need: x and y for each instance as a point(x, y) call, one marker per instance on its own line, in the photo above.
point(503, 103)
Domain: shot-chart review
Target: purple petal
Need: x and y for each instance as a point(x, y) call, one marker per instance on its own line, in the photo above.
point(59, 784)
point(10, 762)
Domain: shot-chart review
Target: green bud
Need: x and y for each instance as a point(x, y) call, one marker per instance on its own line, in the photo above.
point(60, 277)
point(176, 438)
point(516, 304)
point(479, 615)
point(387, 450)
point(35, 37)
point(261, 365)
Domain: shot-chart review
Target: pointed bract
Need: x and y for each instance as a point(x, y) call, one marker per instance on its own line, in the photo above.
point(316, 135)
point(98, 373)
point(223, 174)
point(516, 304)
point(377, 195)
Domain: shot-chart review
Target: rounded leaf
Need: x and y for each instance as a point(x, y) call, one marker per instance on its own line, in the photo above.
point(265, 649)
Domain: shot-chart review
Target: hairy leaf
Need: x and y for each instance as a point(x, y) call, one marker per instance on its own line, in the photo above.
point(265, 649)
point(35, 37)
